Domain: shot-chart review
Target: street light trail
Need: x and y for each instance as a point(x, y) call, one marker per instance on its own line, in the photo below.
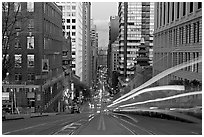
point(162, 74)
point(159, 88)
point(164, 99)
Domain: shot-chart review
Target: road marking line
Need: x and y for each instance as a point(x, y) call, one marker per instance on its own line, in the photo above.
point(77, 124)
point(128, 122)
point(24, 128)
point(194, 133)
point(127, 129)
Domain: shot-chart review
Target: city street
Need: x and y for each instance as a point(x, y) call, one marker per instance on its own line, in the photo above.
point(101, 68)
point(98, 124)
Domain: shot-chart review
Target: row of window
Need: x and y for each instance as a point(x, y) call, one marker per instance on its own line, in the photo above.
point(52, 28)
point(186, 34)
point(18, 61)
point(17, 43)
point(50, 11)
point(30, 76)
point(174, 7)
point(68, 27)
point(68, 7)
point(177, 58)
point(17, 6)
point(69, 20)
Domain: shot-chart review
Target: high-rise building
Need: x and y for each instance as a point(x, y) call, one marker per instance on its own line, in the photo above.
point(72, 16)
point(94, 51)
point(135, 36)
point(35, 74)
point(177, 39)
point(113, 34)
point(86, 42)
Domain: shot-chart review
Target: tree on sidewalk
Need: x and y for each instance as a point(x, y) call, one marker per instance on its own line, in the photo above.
point(13, 18)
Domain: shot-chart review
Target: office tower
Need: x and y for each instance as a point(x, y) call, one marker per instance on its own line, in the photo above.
point(177, 39)
point(113, 34)
point(86, 49)
point(135, 36)
point(72, 16)
point(93, 54)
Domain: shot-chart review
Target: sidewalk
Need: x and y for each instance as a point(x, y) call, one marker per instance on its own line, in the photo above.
point(24, 116)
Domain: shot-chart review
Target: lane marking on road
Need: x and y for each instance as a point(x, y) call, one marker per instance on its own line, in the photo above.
point(128, 122)
point(24, 128)
point(134, 119)
point(195, 133)
point(128, 129)
point(77, 124)
point(148, 131)
point(101, 124)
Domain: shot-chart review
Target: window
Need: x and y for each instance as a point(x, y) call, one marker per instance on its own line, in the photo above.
point(31, 77)
point(168, 12)
point(178, 9)
point(184, 8)
point(17, 44)
point(198, 25)
point(63, 20)
point(65, 62)
point(73, 7)
point(30, 59)
point(30, 42)
point(191, 7)
point(189, 33)
point(64, 53)
point(30, 6)
point(18, 60)
point(199, 5)
point(73, 14)
point(18, 77)
point(172, 11)
point(68, 27)
point(73, 27)
point(68, 20)
point(63, 27)
point(73, 33)
point(194, 32)
point(30, 23)
point(17, 7)
point(73, 20)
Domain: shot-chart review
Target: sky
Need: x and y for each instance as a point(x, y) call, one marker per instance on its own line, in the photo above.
point(101, 12)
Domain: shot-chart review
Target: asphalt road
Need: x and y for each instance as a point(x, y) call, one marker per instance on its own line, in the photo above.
point(89, 123)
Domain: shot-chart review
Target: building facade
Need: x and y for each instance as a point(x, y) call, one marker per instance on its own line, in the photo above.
point(135, 35)
point(94, 51)
point(177, 39)
point(35, 75)
point(113, 34)
point(86, 49)
point(72, 16)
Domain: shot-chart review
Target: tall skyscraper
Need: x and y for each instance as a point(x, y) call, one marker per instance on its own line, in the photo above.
point(72, 16)
point(177, 39)
point(86, 41)
point(135, 36)
point(113, 34)
point(94, 51)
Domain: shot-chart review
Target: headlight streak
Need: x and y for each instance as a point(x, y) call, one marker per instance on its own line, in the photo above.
point(164, 99)
point(169, 87)
point(163, 74)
